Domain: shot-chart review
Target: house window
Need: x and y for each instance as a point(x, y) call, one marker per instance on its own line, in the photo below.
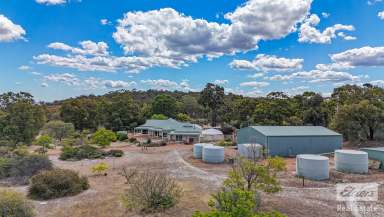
point(179, 138)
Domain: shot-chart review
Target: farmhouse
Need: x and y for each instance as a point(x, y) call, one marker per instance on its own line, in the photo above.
point(291, 140)
point(171, 130)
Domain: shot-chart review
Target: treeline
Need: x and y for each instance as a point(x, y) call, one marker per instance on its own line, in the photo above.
point(355, 111)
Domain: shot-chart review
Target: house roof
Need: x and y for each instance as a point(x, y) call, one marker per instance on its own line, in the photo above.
point(295, 131)
point(171, 125)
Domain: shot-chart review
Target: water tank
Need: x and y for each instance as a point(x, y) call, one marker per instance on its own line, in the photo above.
point(351, 161)
point(250, 151)
point(314, 167)
point(198, 149)
point(213, 154)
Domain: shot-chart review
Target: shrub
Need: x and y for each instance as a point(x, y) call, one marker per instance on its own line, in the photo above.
point(122, 135)
point(20, 168)
point(159, 117)
point(81, 152)
point(103, 137)
point(56, 183)
point(151, 191)
point(14, 204)
point(225, 143)
point(100, 168)
point(44, 141)
point(115, 153)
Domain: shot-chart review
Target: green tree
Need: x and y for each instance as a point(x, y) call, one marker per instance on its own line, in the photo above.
point(103, 137)
point(191, 107)
point(22, 122)
point(123, 114)
point(58, 129)
point(164, 104)
point(159, 117)
point(183, 117)
point(360, 121)
point(44, 141)
point(82, 112)
point(212, 97)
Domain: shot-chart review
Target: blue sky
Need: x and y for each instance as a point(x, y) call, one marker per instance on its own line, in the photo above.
point(63, 48)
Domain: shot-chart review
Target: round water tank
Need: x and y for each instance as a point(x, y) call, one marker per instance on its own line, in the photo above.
point(351, 161)
point(213, 154)
point(198, 149)
point(250, 151)
point(314, 167)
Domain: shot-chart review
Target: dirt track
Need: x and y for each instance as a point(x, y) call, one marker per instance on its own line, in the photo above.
point(199, 180)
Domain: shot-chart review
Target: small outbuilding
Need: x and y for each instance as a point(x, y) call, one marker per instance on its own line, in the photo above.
point(291, 140)
point(211, 135)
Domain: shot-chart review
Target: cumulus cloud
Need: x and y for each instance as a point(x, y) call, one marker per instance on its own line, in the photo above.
point(377, 82)
point(256, 75)
point(325, 14)
point(381, 15)
point(265, 62)
point(308, 32)
point(24, 68)
point(66, 78)
point(51, 2)
point(255, 84)
point(105, 22)
point(316, 76)
point(10, 31)
point(118, 84)
point(364, 56)
point(169, 34)
point(87, 48)
point(93, 56)
point(221, 82)
point(160, 83)
point(44, 84)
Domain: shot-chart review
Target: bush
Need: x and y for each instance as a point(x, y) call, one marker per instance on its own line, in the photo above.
point(103, 137)
point(159, 117)
point(14, 204)
point(81, 152)
point(115, 153)
point(122, 135)
point(225, 143)
point(20, 168)
point(56, 183)
point(100, 168)
point(151, 191)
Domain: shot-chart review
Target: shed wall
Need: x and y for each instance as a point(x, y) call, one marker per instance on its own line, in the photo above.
point(294, 145)
point(249, 135)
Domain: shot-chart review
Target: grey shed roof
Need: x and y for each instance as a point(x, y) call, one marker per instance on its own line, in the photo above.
point(295, 131)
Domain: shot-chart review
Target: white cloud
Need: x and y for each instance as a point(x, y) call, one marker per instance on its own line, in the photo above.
point(297, 90)
point(10, 31)
point(308, 32)
point(160, 84)
point(364, 56)
point(44, 84)
point(279, 78)
point(24, 68)
point(268, 63)
point(105, 22)
point(35, 73)
point(333, 66)
point(51, 2)
point(381, 15)
point(221, 82)
point(87, 48)
point(325, 14)
point(118, 84)
point(317, 76)
point(169, 34)
point(254, 84)
point(346, 37)
point(256, 75)
point(66, 78)
point(377, 82)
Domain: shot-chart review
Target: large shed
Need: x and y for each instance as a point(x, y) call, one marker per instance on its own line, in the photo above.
point(291, 140)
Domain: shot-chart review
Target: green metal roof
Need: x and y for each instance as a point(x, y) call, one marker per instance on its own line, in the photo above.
point(171, 125)
point(295, 131)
